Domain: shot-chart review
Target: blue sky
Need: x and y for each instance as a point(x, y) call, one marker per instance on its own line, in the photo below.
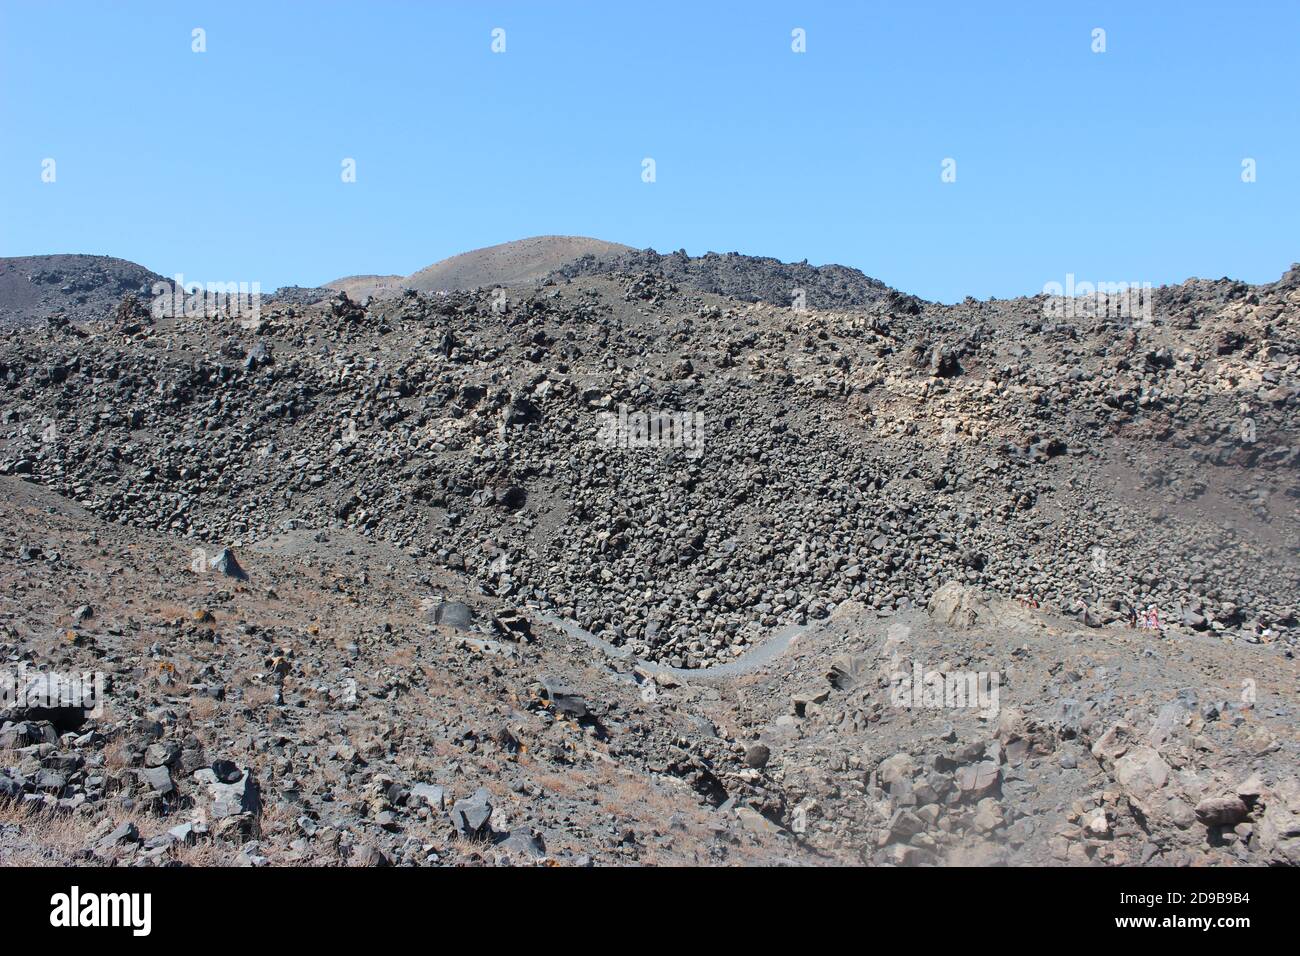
point(225, 165)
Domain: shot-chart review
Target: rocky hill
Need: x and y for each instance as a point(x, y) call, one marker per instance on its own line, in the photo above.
point(643, 563)
point(565, 258)
point(79, 288)
point(750, 278)
point(72, 287)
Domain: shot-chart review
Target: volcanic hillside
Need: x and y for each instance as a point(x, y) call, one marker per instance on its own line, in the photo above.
point(72, 287)
point(751, 278)
point(870, 454)
point(510, 263)
point(467, 615)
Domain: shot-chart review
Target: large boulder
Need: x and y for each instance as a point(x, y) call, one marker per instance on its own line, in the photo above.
point(1279, 827)
point(472, 815)
point(1141, 773)
point(959, 606)
point(453, 614)
point(1114, 744)
point(228, 799)
point(225, 564)
point(1225, 811)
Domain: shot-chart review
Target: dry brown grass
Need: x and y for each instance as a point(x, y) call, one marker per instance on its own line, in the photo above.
point(402, 657)
point(46, 838)
point(204, 708)
point(203, 853)
point(258, 695)
point(115, 755)
point(562, 785)
point(277, 816)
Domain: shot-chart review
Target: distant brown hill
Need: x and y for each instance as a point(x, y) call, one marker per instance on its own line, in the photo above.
point(510, 263)
point(360, 288)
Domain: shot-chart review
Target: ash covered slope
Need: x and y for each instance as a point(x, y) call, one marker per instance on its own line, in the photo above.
point(76, 287)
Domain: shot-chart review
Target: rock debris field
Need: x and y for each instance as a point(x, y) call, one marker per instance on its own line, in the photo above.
point(494, 575)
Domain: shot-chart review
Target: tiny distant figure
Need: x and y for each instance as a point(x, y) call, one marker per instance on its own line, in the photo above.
point(1132, 617)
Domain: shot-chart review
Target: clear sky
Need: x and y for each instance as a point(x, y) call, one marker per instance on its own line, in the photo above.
point(226, 165)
